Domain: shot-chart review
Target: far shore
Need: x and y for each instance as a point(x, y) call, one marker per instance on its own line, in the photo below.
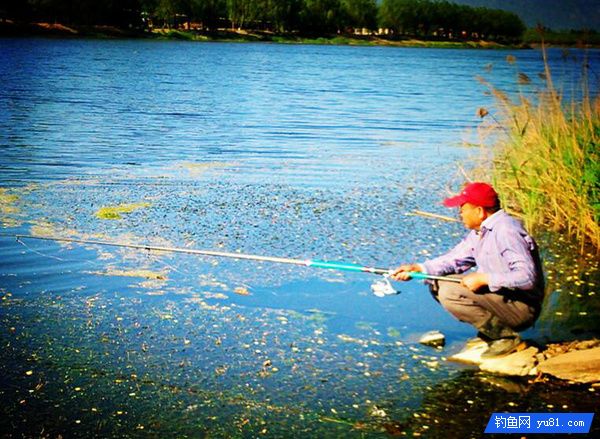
point(10, 29)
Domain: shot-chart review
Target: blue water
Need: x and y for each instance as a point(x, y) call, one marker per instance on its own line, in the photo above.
point(310, 152)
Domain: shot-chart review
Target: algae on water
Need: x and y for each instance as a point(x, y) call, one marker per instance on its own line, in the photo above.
point(7, 201)
point(134, 273)
point(8, 208)
point(114, 212)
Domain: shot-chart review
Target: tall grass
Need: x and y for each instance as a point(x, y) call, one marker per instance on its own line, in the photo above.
point(546, 163)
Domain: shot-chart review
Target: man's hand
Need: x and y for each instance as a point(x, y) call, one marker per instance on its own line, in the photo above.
point(401, 273)
point(474, 281)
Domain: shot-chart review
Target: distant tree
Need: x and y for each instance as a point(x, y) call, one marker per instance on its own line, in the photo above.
point(510, 26)
point(469, 20)
point(283, 14)
point(359, 13)
point(320, 16)
point(50, 10)
point(167, 10)
point(423, 17)
point(16, 10)
point(449, 18)
point(413, 17)
point(208, 11)
point(398, 15)
point(243, 12)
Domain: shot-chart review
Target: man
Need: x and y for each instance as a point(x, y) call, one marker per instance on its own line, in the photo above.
point(505, 294)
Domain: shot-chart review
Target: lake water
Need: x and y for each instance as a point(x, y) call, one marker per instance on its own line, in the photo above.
point(310, 152)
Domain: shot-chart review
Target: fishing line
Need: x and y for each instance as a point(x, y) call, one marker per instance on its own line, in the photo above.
point(95, 264)
point(44, 255)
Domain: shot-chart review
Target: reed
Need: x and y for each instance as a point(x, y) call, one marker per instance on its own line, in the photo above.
point(546, 162)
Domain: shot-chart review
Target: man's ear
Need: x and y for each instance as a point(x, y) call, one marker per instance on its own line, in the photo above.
point(481, 212)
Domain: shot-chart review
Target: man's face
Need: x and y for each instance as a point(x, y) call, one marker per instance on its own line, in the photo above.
point(472, 216)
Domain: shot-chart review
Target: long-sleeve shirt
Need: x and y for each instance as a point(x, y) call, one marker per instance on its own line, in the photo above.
point(503, 250)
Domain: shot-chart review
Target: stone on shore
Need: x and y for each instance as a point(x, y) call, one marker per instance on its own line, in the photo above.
point(520, 363)
point(433, 338)
point(471, 354)
point(577, 361)
point(580, 366)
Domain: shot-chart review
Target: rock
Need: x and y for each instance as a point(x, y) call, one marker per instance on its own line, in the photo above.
point(433, 338)
point(587, 344)
point(517, 364)
point(582, 366)
point(575, 361)
point(471, 353)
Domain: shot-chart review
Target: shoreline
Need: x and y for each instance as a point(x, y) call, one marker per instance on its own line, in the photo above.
point(57, 30)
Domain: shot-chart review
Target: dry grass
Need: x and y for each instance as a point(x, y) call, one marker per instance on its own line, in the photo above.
point(546, 163)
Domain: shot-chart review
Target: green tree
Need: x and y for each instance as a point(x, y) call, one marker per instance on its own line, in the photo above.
point(283, 14)
point(399, 15)
point(359, 13)
point(423, 17)
point(320, 16)
point(208, 11)
point(243, 12)
point(16, 10)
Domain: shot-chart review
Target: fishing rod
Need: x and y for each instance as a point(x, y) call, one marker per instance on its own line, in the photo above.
point(343, 266)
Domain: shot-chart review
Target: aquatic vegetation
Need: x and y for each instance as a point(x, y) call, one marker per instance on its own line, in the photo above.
point(195, 168)
point(114, 212)
point(546, 164)
point(8, 208)
point(49, 229)
point(242, 291)
point(147, 274)
point(572, 302)
point(7, 198)
point(154, 364)
point(393, 332)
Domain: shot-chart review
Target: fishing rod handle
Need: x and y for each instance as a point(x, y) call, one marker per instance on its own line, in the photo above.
point(424, 276)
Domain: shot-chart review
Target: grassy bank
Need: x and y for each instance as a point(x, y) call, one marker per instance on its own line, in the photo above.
point(546, 165)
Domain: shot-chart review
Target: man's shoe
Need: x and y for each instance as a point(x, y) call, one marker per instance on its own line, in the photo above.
point(501, 347)
point(477, 340)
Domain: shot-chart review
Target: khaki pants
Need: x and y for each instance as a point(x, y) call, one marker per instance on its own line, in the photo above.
point(479, 307)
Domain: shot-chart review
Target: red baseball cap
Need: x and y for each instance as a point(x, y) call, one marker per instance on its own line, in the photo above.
point(477, 193)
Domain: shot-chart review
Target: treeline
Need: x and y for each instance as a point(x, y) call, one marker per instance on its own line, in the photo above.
point(424, 18)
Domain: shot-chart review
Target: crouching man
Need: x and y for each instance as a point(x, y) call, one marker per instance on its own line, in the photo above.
point(504, 295)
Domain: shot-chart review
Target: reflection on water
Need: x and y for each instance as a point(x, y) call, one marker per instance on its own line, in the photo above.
point(303, 152)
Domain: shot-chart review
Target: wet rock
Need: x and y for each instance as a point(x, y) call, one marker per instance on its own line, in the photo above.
point(520, 363)
point(517, 364)
point(582, 366)
point(576, 361)
point(471, 354)
point(433, 338)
